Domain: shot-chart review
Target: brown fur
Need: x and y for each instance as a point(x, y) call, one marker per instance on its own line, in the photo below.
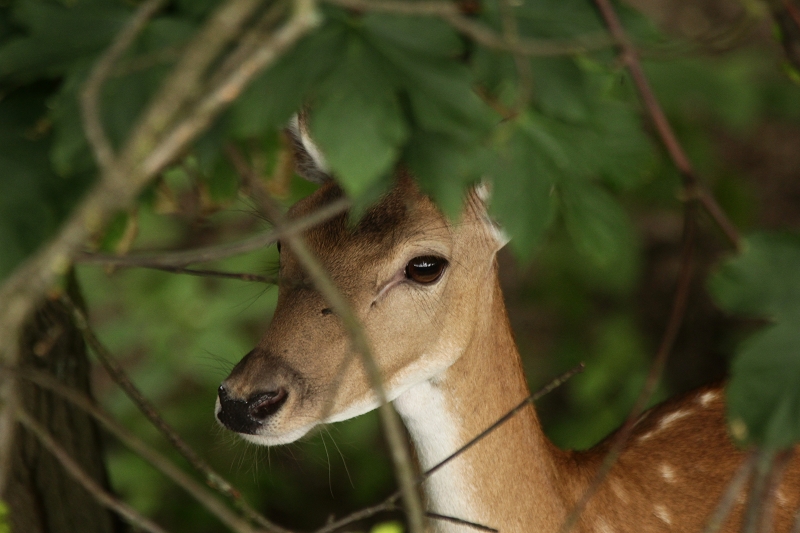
point(670, 476)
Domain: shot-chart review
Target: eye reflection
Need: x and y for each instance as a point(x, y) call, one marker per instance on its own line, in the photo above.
point(425, 269)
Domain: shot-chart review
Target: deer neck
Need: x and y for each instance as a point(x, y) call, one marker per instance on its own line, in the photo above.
point(510, 479)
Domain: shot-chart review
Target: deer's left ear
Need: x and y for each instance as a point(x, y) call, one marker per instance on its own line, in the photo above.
point(478, 200)
point(309, 161)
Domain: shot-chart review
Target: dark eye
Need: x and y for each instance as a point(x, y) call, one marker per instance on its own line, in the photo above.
point(426, 268)
point(278, 245)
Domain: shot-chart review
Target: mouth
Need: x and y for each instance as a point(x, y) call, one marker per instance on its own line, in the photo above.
point(261, 433)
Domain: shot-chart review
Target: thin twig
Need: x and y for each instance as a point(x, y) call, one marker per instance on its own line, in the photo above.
point(185, 81)
point(90, 97)
point(143, 450)
point(398, 445)
point(242, 276)
point(547, 389)
point(383, 507)
point(389, 503)
point(144, 405)
point(735, 487)
point(694, 189)
point(74, 469)
point(460, 521)
point(448, 11)
point(208, 254)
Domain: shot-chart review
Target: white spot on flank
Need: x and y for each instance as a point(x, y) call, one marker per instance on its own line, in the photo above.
point(707, 397)
point(781, 497)
point(619, 491)
point(603, 527)
point(662, 514)
point(646, 436)
point(667, 473)
point(672, 417)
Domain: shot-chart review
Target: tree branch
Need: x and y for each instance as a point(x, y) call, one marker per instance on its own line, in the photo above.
point(183, 258)
point(91, 95)
point(91, 486)
point(215, 480)
point(146, 452)
point(694, 189)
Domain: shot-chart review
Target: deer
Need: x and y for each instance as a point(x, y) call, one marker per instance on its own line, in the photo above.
point(427, 292)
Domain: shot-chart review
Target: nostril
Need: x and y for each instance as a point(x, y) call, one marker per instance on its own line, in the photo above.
point(222, 392)
point(267, 404)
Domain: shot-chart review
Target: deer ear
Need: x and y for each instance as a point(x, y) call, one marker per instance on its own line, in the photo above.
point(309, 161)
point(480, 196)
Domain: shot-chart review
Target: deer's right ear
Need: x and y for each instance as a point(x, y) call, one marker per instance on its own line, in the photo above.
point(308, 158)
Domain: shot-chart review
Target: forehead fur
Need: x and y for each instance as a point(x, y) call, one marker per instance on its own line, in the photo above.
point(398, 211)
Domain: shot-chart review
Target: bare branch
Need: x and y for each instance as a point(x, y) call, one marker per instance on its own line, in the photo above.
point(523, 65)
point(304, 18)
point(148, 409)
point(460, 522)
point(694, 189)
point(91, 486)
point(385, 506)
point(146, 452)
point(184, 258)
point(547, 389)
point(401, 457)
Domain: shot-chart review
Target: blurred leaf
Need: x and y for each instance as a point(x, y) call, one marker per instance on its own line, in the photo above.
point(357, 120)
point(5, 526)
point(522, 193)
point(600, 228)
point(444, 167)
point(58, 36)
point(764, 281)
point(388, 527)
point(274, 96)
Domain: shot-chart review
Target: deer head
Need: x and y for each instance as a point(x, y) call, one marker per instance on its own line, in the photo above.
point(415, 279)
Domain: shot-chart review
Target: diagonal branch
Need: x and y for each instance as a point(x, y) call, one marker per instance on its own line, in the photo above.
point(91, 97)
point(158, 461)
point(148, 409)
point(73, 468)
point(694, 189)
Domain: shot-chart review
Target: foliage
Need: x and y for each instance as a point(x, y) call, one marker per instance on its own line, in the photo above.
point(764, 281)
point(574, 176)
point(4, 525)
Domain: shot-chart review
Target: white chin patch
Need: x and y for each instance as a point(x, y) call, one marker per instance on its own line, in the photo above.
point(274, 440)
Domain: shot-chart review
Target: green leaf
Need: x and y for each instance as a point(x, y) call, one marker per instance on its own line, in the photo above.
point(357, 121)
point(58, 36)
point(763, 397)
point(274, 96)
point(764, 281)
point(600, 228)
point(522, 193)
point(444, 167)
point(439, 87)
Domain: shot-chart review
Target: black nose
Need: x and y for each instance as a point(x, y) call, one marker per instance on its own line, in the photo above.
point(246, 416)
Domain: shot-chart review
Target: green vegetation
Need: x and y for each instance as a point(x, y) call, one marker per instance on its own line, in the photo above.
point(590, 198)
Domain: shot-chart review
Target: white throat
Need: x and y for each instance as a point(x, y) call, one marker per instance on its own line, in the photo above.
point(435, 430)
